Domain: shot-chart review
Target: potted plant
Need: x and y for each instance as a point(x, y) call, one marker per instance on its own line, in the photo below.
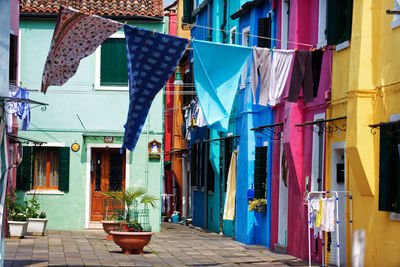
point(258, 205)
point(17, 216)
point(37, 222)
point(111, 223)
point(130, 236)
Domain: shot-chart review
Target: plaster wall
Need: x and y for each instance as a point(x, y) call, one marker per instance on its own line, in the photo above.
point(100, 111)
point(368, 95)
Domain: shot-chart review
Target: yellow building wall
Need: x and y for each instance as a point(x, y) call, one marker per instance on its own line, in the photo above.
point(366, 89)
point(184, 31)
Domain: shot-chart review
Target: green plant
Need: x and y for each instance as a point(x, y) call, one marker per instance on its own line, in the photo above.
point(133, 226)
point(15, 209)
point(42, 215)
point(32, 207)
point(253, 205)
point(131, 197)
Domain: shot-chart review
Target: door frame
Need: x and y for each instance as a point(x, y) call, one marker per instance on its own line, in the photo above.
point(88, 175)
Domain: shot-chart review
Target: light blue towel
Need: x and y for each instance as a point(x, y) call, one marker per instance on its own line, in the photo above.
point(217, 68)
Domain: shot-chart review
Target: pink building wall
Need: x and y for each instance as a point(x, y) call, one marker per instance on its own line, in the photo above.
point(298, 143)
point(14, 16)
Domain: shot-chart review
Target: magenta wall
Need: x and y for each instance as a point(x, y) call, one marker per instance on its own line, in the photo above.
point(297, 143)
point(14, 16)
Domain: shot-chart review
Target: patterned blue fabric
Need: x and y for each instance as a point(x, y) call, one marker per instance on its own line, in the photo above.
point(23, 108)
point(217, 68)
point(152, 58)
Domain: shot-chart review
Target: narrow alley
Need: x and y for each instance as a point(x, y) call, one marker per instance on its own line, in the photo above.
point(175, 245)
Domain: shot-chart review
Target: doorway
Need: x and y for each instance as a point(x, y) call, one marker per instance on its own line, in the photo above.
point(107, 174)
point(283, 201)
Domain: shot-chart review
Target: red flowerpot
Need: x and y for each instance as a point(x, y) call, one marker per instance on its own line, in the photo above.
point(131, 242)
point(109, 226)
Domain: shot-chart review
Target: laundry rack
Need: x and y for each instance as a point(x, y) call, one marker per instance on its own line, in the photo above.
point(336, 194)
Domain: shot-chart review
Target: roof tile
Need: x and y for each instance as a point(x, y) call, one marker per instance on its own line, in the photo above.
point(153, 8)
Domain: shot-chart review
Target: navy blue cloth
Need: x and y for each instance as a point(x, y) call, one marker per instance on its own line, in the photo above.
point(152, 58)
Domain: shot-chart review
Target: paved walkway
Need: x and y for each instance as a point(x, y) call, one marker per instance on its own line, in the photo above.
point(175, 245)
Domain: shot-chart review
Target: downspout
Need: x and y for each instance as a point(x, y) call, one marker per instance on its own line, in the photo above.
point(224, 23)
point(220, 185)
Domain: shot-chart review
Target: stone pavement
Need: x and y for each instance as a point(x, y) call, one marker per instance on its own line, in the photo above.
point(175, 245)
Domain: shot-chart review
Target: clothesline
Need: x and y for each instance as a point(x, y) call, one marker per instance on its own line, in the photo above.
point(216, 29)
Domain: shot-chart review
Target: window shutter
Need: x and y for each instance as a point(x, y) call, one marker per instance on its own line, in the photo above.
point(63, 175)
point(187, 11)
point(389, 168)
point(193, 165)
point(228, 156)
point(113, 65)
point(340, 13)
point(25, 170)
point(260, 172)
point(264, 30)
point(210, 176)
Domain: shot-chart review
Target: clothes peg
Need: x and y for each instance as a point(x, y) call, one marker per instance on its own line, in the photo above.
point(313, 49)
point(125, 22)
point(154, 31)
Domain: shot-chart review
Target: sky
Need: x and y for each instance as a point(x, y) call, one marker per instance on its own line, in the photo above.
point(168, 2)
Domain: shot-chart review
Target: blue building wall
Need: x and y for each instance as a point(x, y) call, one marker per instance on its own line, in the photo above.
point(251, 227)
point(248, 227)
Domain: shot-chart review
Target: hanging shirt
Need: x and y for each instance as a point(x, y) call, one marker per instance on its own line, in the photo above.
point(281, 66)
point(23, 108)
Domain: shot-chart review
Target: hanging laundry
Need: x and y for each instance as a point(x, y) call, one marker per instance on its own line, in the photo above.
point(229, 209)
point(328, 218)
point(23, 108)
point(302, 76)
point(316, 60)
point(281, 63)
point(76, 36)
point(217, 69)
point(152, 58)
point(318, 219)
point(200, 120)
point(243, 76)
point(261, 67)
point(11, 109)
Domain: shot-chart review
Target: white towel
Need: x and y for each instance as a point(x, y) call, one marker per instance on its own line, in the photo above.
point(230, 199)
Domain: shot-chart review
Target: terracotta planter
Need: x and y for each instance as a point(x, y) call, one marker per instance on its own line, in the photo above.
point(36, 225)
point(17, 229)
point(109, 226)
point(131, 242)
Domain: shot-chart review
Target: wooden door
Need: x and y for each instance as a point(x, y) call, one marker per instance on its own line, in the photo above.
point(108, 174)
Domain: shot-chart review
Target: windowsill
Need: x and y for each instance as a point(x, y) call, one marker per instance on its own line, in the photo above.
point(395, 24)
point(45, 192)
point(322, 44)
point(111, 88)
point(395, 216)
point(342, 46)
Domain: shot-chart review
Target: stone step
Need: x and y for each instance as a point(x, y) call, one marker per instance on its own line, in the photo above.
point(94, 226)
point(280, 248)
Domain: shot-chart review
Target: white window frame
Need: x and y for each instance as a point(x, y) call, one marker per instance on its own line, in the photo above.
point(322, 23)
point(396, 18)
point(245, 31)
point(97, 85)
point(285, 24)
point(232, 33)
point(315, 150)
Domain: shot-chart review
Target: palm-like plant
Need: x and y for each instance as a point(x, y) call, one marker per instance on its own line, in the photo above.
point(131, 196)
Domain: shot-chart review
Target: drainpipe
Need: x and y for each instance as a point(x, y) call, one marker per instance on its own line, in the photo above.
point(224, 23)
point(221, 188)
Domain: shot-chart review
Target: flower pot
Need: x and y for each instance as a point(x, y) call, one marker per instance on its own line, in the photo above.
point(260, 209)
point(109, 226)
point(17, 229)
point(131, 242)
point(36, 226)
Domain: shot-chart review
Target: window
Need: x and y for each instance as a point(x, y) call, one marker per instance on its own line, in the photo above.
point(188, 6)
point(111, 64)
point(264, 30)
point(260, 172)
point(233, 35)
point(246, 36)
point(396, 18)
point(195, 164)
point(228, 149)
point(285, 24)
point(389, 167)
point(13, 59)
point(322, 19)
point(340, 14)
point(44, 168)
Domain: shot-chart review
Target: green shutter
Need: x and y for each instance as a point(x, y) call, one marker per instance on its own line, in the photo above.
point(187, 11)
point(63, 174)
point(25, 170)
point(260, 172)
point(389, 170)
point(113, 65)
point(340, 14)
